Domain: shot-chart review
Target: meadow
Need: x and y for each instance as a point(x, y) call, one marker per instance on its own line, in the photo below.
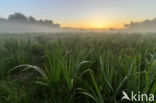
point(76, 67)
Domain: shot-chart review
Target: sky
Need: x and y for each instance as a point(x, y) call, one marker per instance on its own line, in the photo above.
point(83, 13)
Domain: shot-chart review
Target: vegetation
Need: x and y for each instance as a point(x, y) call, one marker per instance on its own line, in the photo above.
point(21, 18)
point(76, 67)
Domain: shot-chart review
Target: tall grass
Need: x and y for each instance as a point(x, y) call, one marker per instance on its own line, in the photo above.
point(90, 68)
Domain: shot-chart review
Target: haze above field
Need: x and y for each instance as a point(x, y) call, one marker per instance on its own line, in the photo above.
point(54, 15)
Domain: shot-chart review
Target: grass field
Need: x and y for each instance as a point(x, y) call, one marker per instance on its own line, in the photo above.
point(76, 67)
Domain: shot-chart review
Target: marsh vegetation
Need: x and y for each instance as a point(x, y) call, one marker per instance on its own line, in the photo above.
point(75, 67)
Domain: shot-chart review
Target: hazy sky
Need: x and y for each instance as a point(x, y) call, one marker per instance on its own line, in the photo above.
point(83, 13)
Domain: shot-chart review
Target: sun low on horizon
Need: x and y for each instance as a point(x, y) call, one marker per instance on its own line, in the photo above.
point(83, 13)
point(94, 23)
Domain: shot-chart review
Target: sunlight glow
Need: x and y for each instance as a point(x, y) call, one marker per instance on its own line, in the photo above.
point(95, 22)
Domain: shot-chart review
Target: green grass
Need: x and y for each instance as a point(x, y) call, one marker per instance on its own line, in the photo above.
point(76, 67)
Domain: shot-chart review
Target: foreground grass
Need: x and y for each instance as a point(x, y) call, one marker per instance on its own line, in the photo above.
point(76, 68)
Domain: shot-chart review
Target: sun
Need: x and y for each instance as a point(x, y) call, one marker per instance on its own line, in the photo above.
point(99, 25)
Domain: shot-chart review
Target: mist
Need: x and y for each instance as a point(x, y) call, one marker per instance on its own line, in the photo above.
point(142, 26)
point(18, 23)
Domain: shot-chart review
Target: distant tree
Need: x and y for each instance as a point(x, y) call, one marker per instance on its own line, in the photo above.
point(21, 18)
point(48, 22)
point(32, 19)
point(144, 23)
point(18, 17)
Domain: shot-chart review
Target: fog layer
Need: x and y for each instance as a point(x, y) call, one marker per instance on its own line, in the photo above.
point(142, 26)
point(18, 22)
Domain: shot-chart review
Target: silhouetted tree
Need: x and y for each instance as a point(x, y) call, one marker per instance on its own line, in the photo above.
point(144, 23)
point(32, 19)
point(18, 17)
point(21, 18)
